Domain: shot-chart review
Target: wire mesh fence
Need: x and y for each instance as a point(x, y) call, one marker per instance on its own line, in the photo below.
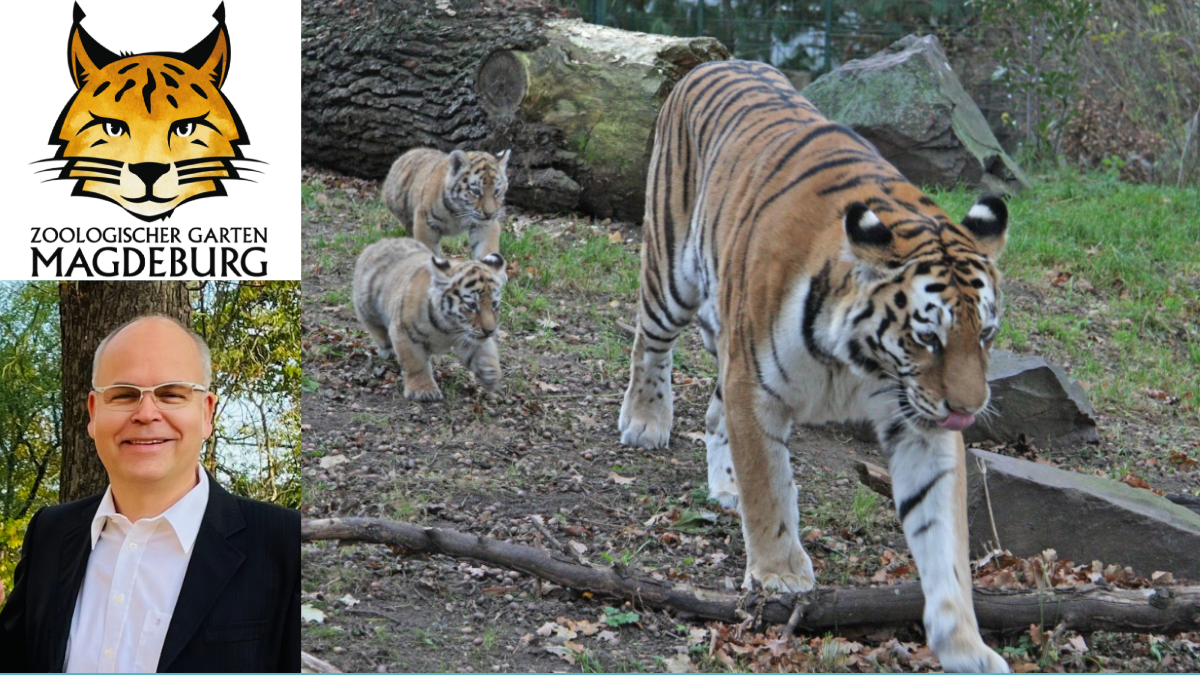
point(815, 36)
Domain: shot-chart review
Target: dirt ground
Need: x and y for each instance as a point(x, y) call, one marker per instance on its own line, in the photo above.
point(545, 447)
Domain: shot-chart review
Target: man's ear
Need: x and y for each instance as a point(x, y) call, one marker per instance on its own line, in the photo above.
point(210, 409)
point(92, 415)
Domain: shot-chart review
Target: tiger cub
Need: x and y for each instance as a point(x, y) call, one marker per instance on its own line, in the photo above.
point(437, 195)
point(416, 304)
point(149, 132)
point(828, 287)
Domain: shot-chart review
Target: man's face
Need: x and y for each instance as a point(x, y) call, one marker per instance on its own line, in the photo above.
point(147, 446)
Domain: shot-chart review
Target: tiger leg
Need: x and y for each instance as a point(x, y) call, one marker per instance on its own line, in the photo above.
point(758, 428)
point(418, 371)
point(483, 359)
point(484, 239)
point(379, 335)
point(929, 481)
point(722, 481)
point(426, 232)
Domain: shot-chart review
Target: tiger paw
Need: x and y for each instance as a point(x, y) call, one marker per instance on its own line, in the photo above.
point(645, 432)
point(971, 658)
point(645, 423)
point(791, 572)
point(422, 391)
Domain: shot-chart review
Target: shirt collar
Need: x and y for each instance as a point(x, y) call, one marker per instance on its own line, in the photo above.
point(184, 515)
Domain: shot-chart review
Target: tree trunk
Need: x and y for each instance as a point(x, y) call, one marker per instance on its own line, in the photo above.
point(88, 311)
point(575, 103)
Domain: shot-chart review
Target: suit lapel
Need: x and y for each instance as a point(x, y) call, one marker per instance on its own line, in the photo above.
point(214, 561)
point(72, 564)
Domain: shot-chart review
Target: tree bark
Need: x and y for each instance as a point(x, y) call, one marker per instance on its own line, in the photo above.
point(1081, 608)
point(382, 76)
point(575, 103)
point(88, 311)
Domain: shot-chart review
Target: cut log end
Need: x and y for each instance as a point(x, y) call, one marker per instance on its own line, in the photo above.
point(501, 83)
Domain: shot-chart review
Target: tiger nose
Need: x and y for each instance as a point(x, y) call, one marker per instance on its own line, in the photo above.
point(149, 171)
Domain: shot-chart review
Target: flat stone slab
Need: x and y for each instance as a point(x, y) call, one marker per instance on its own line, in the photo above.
point(1084, 518)
point(1035, 399)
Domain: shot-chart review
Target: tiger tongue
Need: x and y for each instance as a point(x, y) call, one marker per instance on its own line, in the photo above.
point(957, 421)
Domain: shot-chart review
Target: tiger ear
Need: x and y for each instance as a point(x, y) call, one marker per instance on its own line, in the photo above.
point(870, 240)
point(211, 55)
point(439, 266)
point(85, 56)
point(503, 157)
point(458, 164)
point(988, 222)
point(494, 261)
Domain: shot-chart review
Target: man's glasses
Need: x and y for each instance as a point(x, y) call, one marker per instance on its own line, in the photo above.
point(167, 396)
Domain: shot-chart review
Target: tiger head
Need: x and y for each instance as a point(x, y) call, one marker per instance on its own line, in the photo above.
point(476, 182)
point(928, 306)
point(149, 131)
point(470, 293)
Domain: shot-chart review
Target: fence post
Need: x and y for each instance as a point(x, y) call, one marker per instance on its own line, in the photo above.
point(700, 18)
point(599, 12)
point(828, 32)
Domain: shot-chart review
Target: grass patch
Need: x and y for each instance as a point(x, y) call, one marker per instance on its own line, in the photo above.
point(1120, 268)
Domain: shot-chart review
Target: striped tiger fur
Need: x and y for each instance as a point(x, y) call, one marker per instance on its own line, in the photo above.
point(828, 287)
point(437, 195)
point(416, 304)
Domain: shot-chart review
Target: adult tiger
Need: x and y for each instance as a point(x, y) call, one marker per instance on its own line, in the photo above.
point(829, 288)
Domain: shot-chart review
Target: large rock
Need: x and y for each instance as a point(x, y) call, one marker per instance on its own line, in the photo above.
point(909, 103)
point(1034, 399)
point(1084, 518)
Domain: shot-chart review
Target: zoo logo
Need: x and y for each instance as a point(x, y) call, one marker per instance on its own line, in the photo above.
point(151, 131)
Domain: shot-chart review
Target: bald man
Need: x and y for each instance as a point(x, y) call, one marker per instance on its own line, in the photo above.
point(165, 571)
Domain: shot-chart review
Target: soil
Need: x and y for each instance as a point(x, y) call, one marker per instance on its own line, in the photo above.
point(545, 447)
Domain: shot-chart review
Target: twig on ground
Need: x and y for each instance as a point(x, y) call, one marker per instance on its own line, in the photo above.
point(1083, 608)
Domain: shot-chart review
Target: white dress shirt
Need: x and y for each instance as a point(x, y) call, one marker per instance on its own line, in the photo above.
point(133, 578)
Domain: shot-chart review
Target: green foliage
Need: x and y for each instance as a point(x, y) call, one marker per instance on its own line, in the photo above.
point(617, 618)
point(30, 411)
point(253, 330)
point(1039, 60)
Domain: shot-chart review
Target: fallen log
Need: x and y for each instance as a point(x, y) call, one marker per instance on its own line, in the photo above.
point(1085, 608)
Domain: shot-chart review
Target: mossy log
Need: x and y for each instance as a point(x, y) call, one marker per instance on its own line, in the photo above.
point(602, 88)
point(576, 103)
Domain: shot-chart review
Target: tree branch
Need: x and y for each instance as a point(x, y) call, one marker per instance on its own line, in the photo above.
point(1082, 608)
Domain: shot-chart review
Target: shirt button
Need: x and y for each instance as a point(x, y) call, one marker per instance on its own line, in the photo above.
point(133, 547)
point(120, 597)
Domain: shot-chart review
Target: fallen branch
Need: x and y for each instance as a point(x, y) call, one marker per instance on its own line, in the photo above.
point(875, 477)
point(311, 664)
point(1082, 608)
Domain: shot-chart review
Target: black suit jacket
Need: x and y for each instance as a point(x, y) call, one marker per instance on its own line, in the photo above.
point(238, 609)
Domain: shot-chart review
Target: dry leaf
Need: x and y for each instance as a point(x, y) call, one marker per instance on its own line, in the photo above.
point(620, 480)
point(333, 460)
point(615, 237)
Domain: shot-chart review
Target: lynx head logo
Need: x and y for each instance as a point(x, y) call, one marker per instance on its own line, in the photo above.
point(149, 131)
